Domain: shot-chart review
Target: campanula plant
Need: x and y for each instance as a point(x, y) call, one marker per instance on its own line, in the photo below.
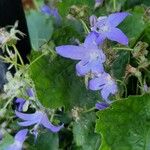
point(93, 98)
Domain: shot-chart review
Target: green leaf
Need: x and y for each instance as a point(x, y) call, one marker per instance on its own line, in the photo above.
point(126, 125)
point(119, 65)
point(40, 28)
point(45, 141)
point(83, 131)
point(6, 141)
point(68, 32)
point(114, 6)
point(134, 25)
point(57, 84)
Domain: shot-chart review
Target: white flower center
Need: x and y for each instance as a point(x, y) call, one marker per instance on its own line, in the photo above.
point(101, 26)
point(94, 55)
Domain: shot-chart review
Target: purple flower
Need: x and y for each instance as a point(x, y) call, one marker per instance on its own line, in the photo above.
point(106, 27)
point(20, 137)
point(105, 83)
point(101, 105)
point(20, 102)
point(90, 56)
point(98, 3)
point(30, 92)
point(38, 118)
point(46, 10)
point(51, 12)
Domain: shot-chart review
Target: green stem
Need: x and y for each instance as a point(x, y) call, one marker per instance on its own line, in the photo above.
point(9, 61)
point(89, 110)
point(85, 26)
point(20, 58)
point(35, 60)
point(7, 104)
point(114, 5)
point(123, 48)
point(124, 86)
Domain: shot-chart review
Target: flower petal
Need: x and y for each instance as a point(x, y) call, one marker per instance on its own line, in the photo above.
point(97, 83)
point(84, 67)
point(116, 18)
point(30, 92)
point(101, 105)
point(35, 116)
point(100, 39)
point(20, 102)
point(105, 93)
point(90, 41)
point(28, 123)
point(47, 124)
point(21, 135)
point(107, 90)
point(71, 51)
point(46, 10)
point(117, 35)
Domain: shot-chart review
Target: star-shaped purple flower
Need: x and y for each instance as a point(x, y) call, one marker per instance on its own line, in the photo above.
point(106, 27)
point(105, 83)
point(20, 137)
point(38, 118)
point(90, 56)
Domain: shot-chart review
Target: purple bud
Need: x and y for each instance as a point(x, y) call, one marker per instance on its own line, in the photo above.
point(30, 92)
point(46, 10)
point(20, 102)
point(93, 20)
point(101, 105)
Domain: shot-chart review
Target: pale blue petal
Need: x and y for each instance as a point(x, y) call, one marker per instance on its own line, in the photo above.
point(90, 41)
point(105, 93)
point(35, 116)
point(107, 90)
point(100, 39)
point(30, 92)
point(46, 10)
point(101, 105)
point(20, 102)
point(116, 18)
point(84, 67)
point(21, 135)
point(71, 51)
point(28, 123)
point(97, 83)
point(117, 35)
point(47, 124)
